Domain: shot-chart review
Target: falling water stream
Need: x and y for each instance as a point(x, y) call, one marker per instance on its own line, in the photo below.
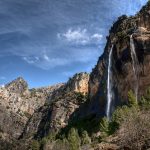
point(109, 76)
point(134, 65)
point(109, 85)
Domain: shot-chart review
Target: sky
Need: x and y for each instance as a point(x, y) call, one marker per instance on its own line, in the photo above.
point(48, 41)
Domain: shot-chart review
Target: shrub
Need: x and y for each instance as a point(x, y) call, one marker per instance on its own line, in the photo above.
point(61, 145)
point(43, 141)
point(107, 127)
point(144, 102)
point(122, 35)
point(35, 145)
point(135, 130)
point(80, 97)
point(51, 136)
point(104, 127)
point(85, 139)
point(132, 99)
point(82, 124)
point(119, 114)
point(74, 139)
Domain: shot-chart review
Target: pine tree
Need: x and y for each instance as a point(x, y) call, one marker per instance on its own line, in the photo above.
point(132, 99)
point(85, 138)
point(74, 139)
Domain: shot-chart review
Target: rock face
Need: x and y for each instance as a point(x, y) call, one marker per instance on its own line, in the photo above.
point(56, 115)
point(18, 86)
point(18, 103)
point(122, 67)
point(35, 112)
point(79, 83)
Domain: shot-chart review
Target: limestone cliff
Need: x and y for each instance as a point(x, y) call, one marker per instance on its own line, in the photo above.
point(34, 112)
point(79, 83)
point(18, 103)
point(122, 65)
point(55, 115)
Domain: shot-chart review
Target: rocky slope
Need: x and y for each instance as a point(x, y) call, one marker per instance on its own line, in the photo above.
point(18, 103)
point(122, 67)
point(24, 110)
point(54, 116)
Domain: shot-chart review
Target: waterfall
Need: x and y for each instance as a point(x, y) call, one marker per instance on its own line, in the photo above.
point(134, 65)
point(109, 85)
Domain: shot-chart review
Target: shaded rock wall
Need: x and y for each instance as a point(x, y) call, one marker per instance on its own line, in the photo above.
point(123, 75)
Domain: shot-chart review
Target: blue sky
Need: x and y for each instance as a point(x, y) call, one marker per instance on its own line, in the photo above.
point(47, 41)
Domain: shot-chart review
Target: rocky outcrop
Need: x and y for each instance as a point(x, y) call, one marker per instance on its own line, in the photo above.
point(35, 112)
point(122, 69)
point(78, 83)
point(18, 103)
point(55, 115)
point(18, 86)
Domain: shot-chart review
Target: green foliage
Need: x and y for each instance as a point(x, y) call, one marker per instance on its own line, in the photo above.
point(122, 35)
point(85, 139)
point(35, 145)
point(132, 99)
point(119, 114)
point(107, 127)
point(104, 127)
point(80, 97)
point(51, 136)
point(43, 141)
point(61, 145)
point(74, 139)
point(144, 103)
point(147, 95)
point(82, 124)
point(122, 113)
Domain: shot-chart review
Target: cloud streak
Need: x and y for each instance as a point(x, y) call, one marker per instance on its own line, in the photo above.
point(80, 36)
point(46, 61)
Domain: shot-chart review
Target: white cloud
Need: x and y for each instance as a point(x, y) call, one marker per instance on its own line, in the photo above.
point(51, 63)
point(80, 36)
point(97, 36)
point(45, 62)
point(46, 57)
point(30, 60)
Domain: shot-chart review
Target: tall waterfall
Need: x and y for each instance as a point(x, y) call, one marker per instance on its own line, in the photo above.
point(109, 85)
point(134, 65)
